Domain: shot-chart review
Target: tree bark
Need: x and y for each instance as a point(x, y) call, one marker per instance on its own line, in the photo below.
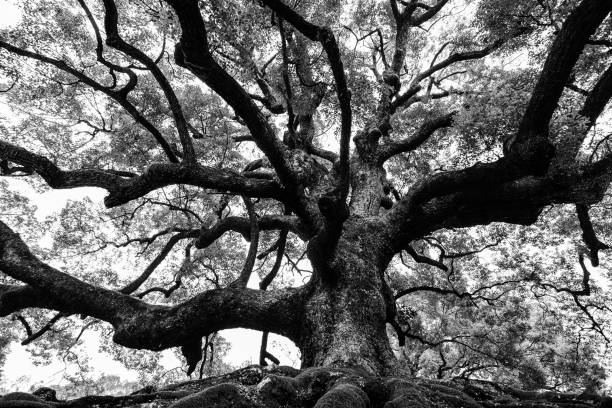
point(349, 304)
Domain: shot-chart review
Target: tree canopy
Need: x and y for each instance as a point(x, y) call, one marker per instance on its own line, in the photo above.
point(403, 186)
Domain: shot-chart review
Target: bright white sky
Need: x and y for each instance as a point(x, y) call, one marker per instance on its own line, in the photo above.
point(9, 14)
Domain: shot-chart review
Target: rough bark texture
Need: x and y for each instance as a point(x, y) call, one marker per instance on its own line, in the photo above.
point(279, 386)
point(346, 312)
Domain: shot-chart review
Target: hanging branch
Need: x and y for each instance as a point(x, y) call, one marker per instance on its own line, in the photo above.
point(287, 82)
point(588, 234)
point(263, 285)
point(424, 259)
point(576, 294)
point(247, 269)
point(33, 336)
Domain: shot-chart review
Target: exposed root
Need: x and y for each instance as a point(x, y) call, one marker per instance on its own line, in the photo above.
point(22, 400)
point(323, 387)
point(344, 396)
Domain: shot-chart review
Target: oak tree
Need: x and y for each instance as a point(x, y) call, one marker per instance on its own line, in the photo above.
point(359, 134)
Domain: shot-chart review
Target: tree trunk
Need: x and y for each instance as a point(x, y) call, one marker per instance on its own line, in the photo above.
point(349, 304)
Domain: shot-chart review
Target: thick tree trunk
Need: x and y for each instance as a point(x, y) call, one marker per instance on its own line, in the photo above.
point(349, 304)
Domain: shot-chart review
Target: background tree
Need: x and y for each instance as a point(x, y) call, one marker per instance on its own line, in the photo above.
point(209, 122)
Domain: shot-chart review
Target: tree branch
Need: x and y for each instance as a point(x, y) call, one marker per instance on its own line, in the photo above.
point(519, 202)
point(326, 37)
point(531, 151)
point(33, 336)
point(417, 139)
point(563, 55)
point(280, 251)
point(593, 106)
point(588, 234)
point(122, 190)
point(192, 52)
point(138, 324)
point(576, 294)
point(247, 269)
point(136, 283)
point(457, 57)
point(114, 40)
point(475, 295)
point(428, 14)
point(120, 96)
point(424, 259)
point(208, 235)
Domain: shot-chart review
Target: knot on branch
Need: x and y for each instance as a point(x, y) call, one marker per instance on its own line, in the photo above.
point(112, 40)
point(192, 351)
point(333, 208)
point(366, 142)
point(392, 79)
point(533, 153)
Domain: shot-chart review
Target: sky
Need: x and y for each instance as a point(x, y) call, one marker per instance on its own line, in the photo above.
point(9, 14)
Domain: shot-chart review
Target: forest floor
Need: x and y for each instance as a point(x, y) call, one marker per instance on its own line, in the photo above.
point(287, 387)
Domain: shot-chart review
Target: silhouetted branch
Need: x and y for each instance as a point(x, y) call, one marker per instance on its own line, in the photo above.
point(588, 234)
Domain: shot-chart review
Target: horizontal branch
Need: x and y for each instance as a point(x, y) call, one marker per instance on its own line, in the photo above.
point(122, 190)
point(517, 201)
point(242, 225)
point(139, 324)
point(475, 295)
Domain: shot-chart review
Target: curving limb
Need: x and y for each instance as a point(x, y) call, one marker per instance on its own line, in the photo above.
point(114, 39)
point(122, 190)
point(588, 234)
point(425, 259)
point(427, 129)
point(138, 324)
point(529, 156)
point(249, 263)
point(119, 96)
point(192, 53)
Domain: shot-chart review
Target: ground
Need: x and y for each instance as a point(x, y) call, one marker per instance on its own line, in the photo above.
point(321, 387)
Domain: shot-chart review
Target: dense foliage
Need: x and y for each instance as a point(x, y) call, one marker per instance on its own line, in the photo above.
point(511, 291)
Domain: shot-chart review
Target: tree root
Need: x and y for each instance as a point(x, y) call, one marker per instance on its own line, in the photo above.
point(323, 387)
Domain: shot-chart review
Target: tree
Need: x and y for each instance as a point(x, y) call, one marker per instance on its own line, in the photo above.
point(444, 137)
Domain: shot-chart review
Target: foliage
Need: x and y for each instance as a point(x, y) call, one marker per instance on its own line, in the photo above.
point(496, 309)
